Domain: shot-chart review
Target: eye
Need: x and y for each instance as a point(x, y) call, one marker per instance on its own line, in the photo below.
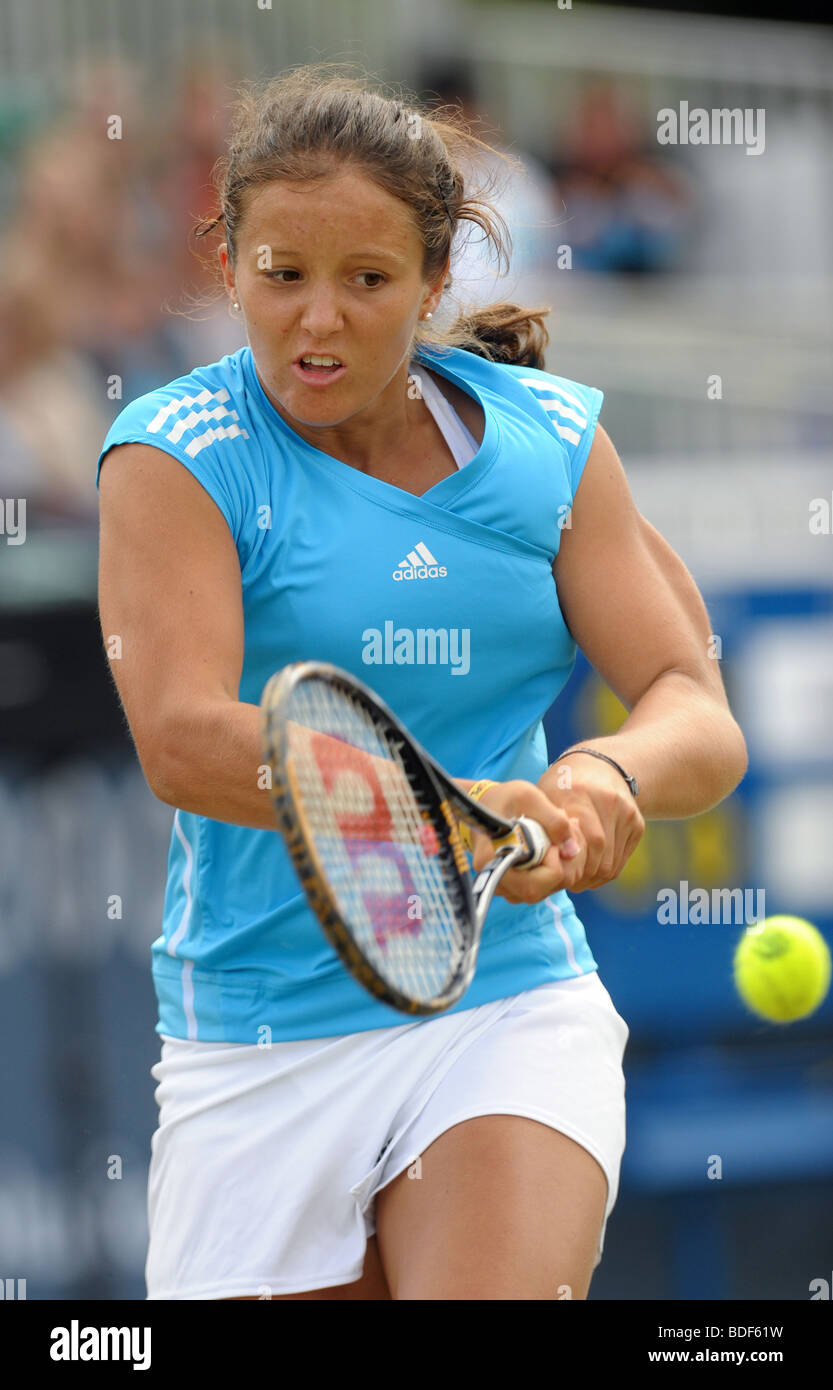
point(375, 275)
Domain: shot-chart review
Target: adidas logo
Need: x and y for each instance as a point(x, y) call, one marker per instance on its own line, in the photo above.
point(187, 423)
point(419, 563)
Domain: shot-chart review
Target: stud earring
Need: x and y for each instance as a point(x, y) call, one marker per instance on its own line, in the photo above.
point(428, 316)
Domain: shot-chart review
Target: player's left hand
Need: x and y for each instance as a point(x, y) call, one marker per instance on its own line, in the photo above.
point(556, 870)
point(605, 810)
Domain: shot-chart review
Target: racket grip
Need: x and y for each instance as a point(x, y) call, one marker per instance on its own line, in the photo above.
point(537, 839)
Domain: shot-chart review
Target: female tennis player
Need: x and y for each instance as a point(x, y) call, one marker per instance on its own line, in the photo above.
point(351, 476)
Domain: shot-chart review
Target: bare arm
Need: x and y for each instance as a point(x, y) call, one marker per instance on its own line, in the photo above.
point(169, 587)
point(636, 613)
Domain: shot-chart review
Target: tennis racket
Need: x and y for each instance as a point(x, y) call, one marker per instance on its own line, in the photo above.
point(371, 823)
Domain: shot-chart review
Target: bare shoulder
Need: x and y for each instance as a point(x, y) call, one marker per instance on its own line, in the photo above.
point(124, 462)
point(141, 482)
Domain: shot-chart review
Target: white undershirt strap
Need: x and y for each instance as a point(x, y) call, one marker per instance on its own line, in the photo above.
point(460, 441)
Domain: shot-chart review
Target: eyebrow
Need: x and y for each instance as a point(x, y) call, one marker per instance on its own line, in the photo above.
point(374, 254)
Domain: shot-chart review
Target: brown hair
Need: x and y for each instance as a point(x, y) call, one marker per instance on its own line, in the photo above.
point(302, 124)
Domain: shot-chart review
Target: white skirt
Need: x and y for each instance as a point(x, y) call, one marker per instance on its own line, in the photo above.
point(267, 1160)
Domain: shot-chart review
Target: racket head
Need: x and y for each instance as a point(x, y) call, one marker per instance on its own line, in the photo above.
point(372, 837)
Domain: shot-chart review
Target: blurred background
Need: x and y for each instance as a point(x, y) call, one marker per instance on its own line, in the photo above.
point(692, 283)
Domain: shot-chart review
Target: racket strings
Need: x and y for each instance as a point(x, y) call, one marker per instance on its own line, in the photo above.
point(379, 839)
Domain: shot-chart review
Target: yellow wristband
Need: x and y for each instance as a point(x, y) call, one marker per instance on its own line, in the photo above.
point(474, 793)
point(477, 789)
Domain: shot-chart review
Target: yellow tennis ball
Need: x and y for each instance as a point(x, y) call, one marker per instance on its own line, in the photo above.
point(782, 968)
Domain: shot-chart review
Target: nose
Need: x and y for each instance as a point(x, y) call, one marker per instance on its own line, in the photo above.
point(322, 313)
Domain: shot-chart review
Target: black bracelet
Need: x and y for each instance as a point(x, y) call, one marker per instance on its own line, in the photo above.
point(631, 781)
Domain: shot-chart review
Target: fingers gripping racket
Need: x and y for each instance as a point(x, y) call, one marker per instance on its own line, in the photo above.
point(371, 824)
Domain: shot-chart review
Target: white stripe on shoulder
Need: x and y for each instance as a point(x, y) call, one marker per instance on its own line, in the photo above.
point(220, 411)
point(226, 432)
point(554, 390)
point(556, 408)
point(188, 421)
point(173, 406)
point(564, 433)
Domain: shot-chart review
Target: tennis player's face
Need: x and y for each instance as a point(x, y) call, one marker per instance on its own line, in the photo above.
point(332, 269)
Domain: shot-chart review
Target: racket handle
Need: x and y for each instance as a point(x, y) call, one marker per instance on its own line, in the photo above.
point(523, 849)
point(537, 839)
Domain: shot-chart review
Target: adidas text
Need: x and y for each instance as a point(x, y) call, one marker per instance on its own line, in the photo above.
point(424, 572)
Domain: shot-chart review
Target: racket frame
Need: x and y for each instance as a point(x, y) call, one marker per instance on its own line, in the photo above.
point(518, 842)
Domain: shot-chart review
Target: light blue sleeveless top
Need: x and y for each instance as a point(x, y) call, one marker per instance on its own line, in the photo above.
point(444, 604)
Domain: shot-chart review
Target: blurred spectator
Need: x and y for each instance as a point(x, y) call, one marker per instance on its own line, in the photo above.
point(97, 271)
point(183, 192)
point(627, 209)
point(526, 200)
point(53, 408)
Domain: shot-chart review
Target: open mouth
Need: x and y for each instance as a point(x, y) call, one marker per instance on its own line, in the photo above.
point(319, 365)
